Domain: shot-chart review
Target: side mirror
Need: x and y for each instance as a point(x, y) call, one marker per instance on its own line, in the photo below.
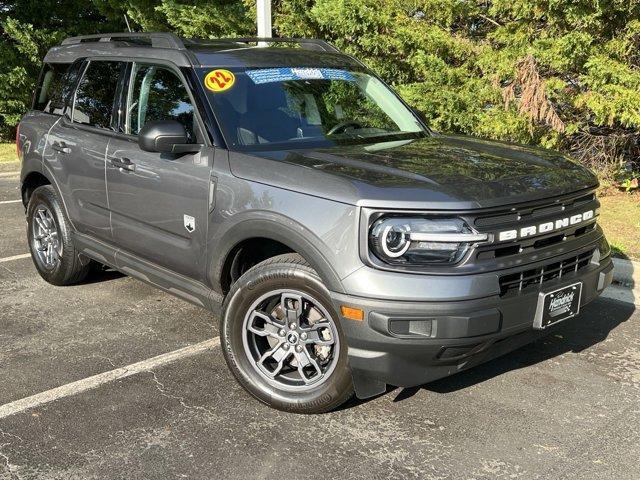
point(166, 136)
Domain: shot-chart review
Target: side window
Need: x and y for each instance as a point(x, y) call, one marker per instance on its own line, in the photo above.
point(61, 100)
point(49, 86)
point(96, 94)
point(157, 93)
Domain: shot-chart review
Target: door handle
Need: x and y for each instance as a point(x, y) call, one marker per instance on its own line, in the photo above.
point(123, 164)
point(61, 147)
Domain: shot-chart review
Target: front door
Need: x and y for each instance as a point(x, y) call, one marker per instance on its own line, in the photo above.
point(159, 203)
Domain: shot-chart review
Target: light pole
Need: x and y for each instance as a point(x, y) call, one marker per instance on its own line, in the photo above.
point(264, 18)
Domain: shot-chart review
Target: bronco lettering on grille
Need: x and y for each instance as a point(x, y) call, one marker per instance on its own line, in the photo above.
point(545, 227)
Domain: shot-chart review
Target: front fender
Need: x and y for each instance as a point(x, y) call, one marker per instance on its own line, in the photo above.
point(265, 224)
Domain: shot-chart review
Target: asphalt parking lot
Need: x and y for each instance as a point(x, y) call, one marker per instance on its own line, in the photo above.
point(567, 406)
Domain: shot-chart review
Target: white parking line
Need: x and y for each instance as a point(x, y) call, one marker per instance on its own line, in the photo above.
point(3, 202)
point(15, 257)
point(106, 377)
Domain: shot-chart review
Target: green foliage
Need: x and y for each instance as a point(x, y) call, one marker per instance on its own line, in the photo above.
point(461, 64)
point(29, 29)
point(562, 74)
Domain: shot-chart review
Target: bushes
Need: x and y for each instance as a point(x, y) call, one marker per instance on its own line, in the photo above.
point(29, 29)
point(561, 74)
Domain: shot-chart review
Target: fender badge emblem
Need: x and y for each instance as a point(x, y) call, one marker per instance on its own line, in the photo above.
point(189, 223)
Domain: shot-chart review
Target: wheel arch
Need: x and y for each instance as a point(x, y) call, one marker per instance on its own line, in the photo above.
point(281, 233)
point(31, 181)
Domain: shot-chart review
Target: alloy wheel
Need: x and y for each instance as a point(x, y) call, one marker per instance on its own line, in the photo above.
point(46, 238)
point(291, 340)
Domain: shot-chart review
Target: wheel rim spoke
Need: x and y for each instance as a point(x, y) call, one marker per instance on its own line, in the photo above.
point(48, 248)
point(40, 223)
point(304, 360)
point(279, 354)
point(291, 340)
point(49, 253)
point(292, 307)
point(270, 327)
point(318, 332)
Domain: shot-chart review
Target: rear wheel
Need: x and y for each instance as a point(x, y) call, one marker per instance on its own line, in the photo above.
point(282, 340)
point(50, 243)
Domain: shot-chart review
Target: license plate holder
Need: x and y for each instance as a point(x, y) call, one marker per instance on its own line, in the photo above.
point(557, 305)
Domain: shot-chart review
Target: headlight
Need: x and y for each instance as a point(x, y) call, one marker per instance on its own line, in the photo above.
point(422, 241)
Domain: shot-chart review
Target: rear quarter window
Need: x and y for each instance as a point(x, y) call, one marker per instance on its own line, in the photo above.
point(55, 86)
point(49, 85)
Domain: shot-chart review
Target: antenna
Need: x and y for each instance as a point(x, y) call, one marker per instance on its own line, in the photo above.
point(126, 20)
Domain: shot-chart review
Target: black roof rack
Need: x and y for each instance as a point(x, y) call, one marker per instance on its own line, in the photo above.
point(312, 43)
point(172, 41)
point(156, 39)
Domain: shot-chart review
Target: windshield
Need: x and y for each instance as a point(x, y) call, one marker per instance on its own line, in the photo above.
point(279, 108)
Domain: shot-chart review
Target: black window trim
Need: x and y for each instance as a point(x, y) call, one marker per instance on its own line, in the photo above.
point(36, 92)
point(202, 105)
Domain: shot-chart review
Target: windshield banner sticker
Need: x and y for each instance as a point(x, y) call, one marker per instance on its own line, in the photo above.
point(271, 75)
point(219, 80)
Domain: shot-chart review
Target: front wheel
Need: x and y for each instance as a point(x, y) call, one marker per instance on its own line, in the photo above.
point(282, 340)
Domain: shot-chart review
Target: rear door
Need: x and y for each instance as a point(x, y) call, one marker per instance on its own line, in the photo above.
point(159, 202)
point(77, 145)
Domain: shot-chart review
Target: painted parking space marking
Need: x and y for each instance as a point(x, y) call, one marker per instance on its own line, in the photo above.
point(95, 381)
point(4, 202)
point(15, 257)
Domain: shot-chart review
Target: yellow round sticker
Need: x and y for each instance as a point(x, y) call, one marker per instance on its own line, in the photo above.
point(219, 80)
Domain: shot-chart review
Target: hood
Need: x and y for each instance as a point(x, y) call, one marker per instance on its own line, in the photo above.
point(447, 172)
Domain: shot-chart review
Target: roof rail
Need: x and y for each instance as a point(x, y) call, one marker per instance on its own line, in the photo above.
point(314, 42)
point(157, 39)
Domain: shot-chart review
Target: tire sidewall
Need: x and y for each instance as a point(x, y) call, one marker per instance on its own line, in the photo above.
point(248, 289)
point(46, 196)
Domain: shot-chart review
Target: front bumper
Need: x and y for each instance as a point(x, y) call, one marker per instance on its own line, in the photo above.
point(409, 343)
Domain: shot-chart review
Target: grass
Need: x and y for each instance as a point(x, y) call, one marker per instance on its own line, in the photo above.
point(8, 152)
point(620, 219)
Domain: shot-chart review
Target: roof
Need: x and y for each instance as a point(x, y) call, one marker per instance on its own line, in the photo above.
point(223, 52)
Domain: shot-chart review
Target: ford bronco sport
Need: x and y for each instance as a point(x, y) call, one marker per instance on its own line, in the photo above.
point(283, 185)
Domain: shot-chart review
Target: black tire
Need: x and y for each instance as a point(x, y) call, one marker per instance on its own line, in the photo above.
point(72, 267)
point(284, 272)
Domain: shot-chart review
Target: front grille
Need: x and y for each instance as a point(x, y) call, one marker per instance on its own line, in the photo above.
point(529, 213)
point(532, 215)
point(536, 277)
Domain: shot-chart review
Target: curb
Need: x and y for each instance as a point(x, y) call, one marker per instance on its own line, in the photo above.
point(626, 272)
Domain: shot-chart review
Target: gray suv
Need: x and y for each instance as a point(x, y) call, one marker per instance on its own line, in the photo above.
point(283, 185)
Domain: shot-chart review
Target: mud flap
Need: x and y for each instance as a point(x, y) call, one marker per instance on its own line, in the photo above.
point(365, 386)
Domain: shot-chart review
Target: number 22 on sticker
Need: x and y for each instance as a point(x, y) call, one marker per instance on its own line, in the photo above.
point(219, 80)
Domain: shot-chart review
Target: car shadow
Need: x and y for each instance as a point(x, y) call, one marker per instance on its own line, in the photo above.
point(575, 335)
point(100, 273)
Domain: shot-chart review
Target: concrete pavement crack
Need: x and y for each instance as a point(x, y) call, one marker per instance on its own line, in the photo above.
point(163, 391)
point(8, 466)
point(7, 434)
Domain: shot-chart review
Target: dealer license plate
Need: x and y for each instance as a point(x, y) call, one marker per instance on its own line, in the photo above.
point(558, 305)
